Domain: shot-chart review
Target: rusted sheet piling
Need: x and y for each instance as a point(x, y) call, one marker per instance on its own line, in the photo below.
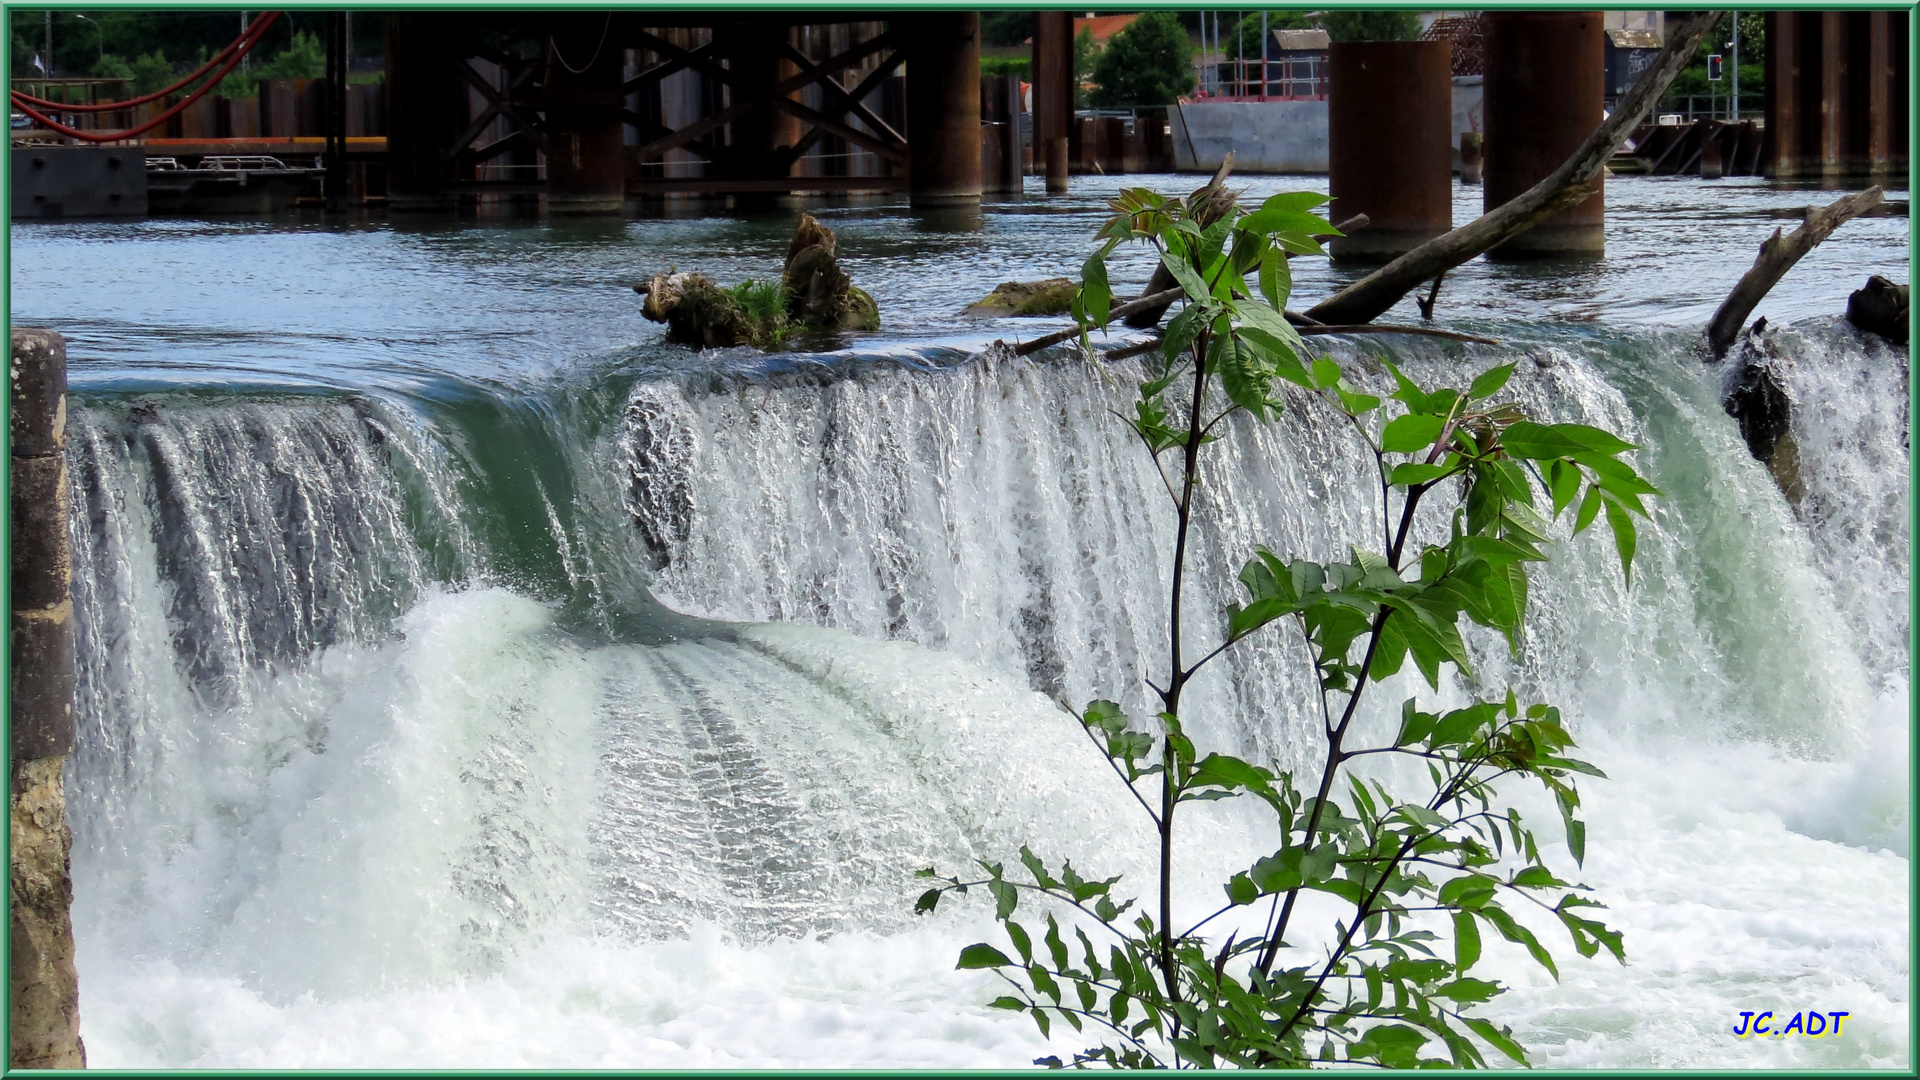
point(1545, 89)
point(1390, 144)
point(45, 994)
point(943, 107)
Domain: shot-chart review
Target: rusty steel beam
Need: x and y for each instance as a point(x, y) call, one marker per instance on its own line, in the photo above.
point(846, 101)
point(775, 99)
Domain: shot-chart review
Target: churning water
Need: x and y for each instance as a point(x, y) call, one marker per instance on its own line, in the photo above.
point(469, 679)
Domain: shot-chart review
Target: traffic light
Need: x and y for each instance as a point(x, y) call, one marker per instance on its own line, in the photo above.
point(1716, 65)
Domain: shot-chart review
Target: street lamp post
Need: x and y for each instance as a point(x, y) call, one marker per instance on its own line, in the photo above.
point(100, 40)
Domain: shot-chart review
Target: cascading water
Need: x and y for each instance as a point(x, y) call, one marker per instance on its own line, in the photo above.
point(520, 707)
point(344, 755)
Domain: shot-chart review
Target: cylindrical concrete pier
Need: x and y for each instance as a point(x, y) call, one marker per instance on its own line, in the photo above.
point(1390, 145)
point(1052, 94)
point(44, 988)
point(1545, 89)
point(585, 169)
point(422, 92)
point(943, 107)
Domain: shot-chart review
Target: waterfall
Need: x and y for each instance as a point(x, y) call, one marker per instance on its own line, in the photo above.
point(614, 719)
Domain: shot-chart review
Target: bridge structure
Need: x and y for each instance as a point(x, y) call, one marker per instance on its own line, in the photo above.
point(589, 109)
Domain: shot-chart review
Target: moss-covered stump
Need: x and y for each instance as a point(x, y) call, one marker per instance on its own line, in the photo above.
point(1054, 296)
point(820, 296)
point(813, 293)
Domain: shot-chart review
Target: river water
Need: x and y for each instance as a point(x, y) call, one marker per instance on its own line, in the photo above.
point(469, 678)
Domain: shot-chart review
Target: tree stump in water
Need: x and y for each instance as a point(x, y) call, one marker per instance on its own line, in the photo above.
point(813, 293)
point(820, 296)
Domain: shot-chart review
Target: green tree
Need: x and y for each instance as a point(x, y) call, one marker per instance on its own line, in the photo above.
point(1084, 51)
point(149, 72)
point(1350, 25)
point(1386, 987)
point(1003, 28)
point(303, 58)
point(1148, 63)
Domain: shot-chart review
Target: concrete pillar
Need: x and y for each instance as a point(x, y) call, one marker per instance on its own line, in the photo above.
point(1052, 94)
point(1545, 91)
point(1783, 94)
point(423, 95)
point(943, 107)
point(43, 986)
point(586, 170)
point(1390, 149)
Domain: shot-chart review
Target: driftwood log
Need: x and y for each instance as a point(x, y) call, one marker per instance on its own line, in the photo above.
point(1777, 255)
point(1371, 296)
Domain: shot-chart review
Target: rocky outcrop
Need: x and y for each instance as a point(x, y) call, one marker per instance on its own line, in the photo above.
point(1054, 296)
point(43, 989)
point(1881, 308)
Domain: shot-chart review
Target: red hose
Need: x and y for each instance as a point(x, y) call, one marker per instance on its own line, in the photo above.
point(266, 19)
point(248, 41)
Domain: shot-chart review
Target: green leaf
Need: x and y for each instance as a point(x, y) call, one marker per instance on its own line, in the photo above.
point(1520, 935)
point(1466, 941)
point(982, 956)
point(1417, 472)
point(1295, 201)
point(1589, 508)
point(1468, 990)
point(928, 901)
point(1056, 948)
point(1500, 1038)
point(1527, 439)
point(1183, 272)
point(1325, 373)
point(1095, 296)
point(1623, 536)
point(1276, 278)
point(1592, 438)
point(1181, 330)
point(1355, 402)
point(1406, 434)
point(1005, 897)
point(1021, 942)
point(1489, 382)
point(1241, 890)
point(1012, 1003)
point(1564, 480)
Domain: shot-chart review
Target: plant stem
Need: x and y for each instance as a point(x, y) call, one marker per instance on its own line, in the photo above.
point(1177, 678)
point(1335, 757)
